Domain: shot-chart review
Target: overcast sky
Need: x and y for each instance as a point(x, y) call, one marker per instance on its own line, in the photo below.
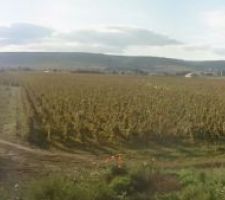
point(186, 29)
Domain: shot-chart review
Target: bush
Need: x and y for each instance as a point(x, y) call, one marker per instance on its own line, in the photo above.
point(121, 185)
point(3, 194)
point(118, 171)
point(142, 178)
point(199, 185)
point(114, 171)
point(50, 188)
point(134, 183)
point(62, 188)
point(138, 183)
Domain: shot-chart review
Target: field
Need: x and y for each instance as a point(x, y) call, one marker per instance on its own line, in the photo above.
point(172, 128)
point(106, 110)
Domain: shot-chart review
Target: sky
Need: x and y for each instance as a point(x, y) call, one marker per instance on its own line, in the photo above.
point(187, 29)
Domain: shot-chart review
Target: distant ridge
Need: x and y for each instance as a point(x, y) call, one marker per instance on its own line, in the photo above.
point(102, 62)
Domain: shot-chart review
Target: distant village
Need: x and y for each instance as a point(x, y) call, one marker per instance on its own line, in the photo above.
point(185, 74)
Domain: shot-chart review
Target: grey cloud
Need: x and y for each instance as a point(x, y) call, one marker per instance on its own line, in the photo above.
point(219, 51)
point(22, 33)
point(120, 37)
point(200, 47)
point(111, 39)
point(62, 47)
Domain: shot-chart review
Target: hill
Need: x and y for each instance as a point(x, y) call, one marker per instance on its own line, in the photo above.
point(101, 62)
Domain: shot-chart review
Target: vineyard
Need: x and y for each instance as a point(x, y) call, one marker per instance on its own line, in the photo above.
point(110, 109)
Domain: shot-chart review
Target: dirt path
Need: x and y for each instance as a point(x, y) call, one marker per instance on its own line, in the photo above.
point(38, 152)
point(19, 163)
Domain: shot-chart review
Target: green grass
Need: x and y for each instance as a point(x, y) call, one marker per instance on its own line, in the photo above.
point(112, 183)
point(138, 183)
point(4, 195)
point(180, 173)
point(199, 185)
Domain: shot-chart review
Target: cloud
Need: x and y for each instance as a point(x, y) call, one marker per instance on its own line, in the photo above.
point(215, 19)
point(120, 40)
point(197, 47)
point(215, 26)
point(216, 50)
point(119, 36)
point(183, 51)
point(22, 33)
point(219, 51)
point(104, 39)
point(110, 37)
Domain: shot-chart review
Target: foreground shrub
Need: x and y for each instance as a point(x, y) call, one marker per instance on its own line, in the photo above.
point(134, 183)
point(142, 178)
point(122, 185)
point(138, 183)
point(51, 188)
point(4, 194)
point(203, 185)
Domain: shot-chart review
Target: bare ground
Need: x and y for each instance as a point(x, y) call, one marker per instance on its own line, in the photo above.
point(18, 162)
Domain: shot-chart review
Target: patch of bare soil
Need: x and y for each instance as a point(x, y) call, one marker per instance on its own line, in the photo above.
point(18, 163)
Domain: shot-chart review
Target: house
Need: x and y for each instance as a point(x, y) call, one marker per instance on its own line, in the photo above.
point(189, 75)
point(192, 74)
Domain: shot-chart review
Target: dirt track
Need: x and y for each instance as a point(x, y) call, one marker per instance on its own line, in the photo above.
point(38, 152)
point(18, 163)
